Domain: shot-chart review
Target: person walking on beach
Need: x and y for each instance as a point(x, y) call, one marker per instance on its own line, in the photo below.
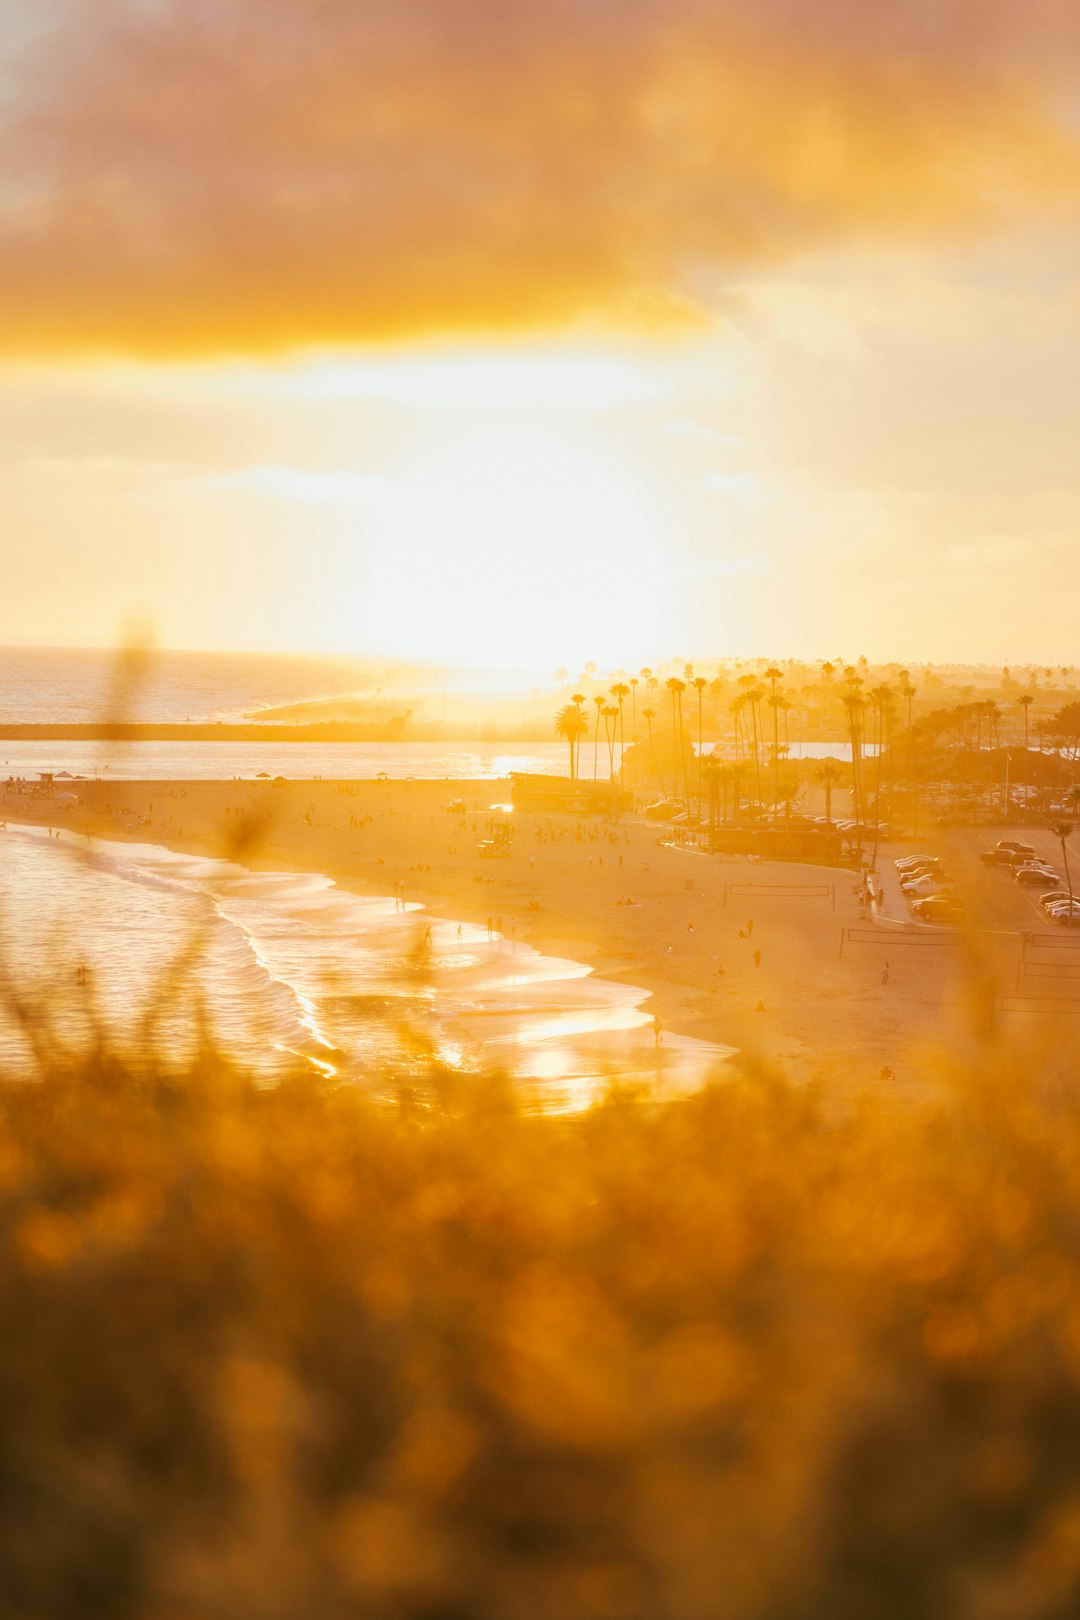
point(658, 1033)
point(491, 929)
point(750, 928)
point(757, 959)
point(885, 974)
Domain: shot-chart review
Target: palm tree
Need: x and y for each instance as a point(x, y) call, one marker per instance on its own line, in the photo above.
point(577, 699)
point(599, 701)
point(854, 704)
point(1025, 703)
point(1061, 831)
point(828, 775)
point(907, 691)
point(882, 699)
point(700, 683)
point(570, 724)
point(735, 708)
point(611, 731)
point(755, 695)
point(677, 688)
point(772, 675)
point(620, 692)
point(634, 683)
point(649, 715)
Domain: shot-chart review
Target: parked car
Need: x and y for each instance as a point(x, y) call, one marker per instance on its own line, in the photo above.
point(1001, 857)
point(924, 869)
point(938, 880)
point(922, 885)
point(940, 908)
point(1012, 843)
point(908, 861)
point(1037, 877)
point(664, 809)
point(1053, 897)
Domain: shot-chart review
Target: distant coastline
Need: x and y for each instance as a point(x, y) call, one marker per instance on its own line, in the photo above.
point(221, 731)
point(396, 730)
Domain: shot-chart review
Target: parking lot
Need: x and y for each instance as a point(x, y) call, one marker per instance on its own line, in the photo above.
point(995, 903)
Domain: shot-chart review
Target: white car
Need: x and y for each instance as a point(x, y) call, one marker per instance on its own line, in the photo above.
point(923, 885)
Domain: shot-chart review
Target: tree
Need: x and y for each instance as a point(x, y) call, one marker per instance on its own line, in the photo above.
point(773, 675)
point(753, 694)
point(578, 699)
point(1025, 703)
point(1065, 729)
point(611, 726)
point(907, 691)
point(1061, 831)
point(854, 705)
point(620, 692)
point(677, 688)
point(634, 684)
point(570, 724)
point(599, 701)
point(649, 715)
point(700, 683)
point(828, 775)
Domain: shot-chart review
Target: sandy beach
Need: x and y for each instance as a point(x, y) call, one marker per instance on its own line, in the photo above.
point(748, 954)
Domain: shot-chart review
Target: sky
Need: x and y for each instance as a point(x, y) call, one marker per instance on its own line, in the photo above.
point(528, 333)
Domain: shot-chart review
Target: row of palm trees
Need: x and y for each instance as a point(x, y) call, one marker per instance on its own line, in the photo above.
point(873, 721)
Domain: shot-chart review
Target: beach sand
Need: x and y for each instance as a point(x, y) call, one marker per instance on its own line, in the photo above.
point(744, 953)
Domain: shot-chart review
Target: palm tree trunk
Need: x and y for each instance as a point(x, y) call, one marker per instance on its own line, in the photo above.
point(757, 755)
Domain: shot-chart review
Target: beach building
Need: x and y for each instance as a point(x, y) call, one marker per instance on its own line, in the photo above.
point(559, 796)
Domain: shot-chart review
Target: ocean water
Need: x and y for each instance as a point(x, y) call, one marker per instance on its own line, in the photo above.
point(46, 685)
point(288, 970)
point(51, 684)
point(194, 761)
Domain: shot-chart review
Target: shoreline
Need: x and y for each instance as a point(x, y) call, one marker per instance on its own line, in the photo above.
point(557, 1027)
point(615, 895)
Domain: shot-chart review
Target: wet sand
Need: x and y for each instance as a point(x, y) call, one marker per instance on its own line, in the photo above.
point(742, 953)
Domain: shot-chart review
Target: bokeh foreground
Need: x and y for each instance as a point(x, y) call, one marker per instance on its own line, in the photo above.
point(274, 1351)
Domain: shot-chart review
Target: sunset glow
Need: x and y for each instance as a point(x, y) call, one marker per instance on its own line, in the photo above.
point(584, 327)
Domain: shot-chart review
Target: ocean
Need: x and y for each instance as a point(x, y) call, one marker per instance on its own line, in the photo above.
point(288, 970)
point(50, 684)
point(212, 761)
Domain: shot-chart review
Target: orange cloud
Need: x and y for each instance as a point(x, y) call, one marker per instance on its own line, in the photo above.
point(196, 177)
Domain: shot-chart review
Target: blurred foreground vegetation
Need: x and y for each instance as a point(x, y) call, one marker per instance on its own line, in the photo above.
point(281, 1352)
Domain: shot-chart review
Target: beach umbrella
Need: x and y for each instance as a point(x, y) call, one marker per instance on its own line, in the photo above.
point(263, 776)
point(64, 776)
point(67, 798)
